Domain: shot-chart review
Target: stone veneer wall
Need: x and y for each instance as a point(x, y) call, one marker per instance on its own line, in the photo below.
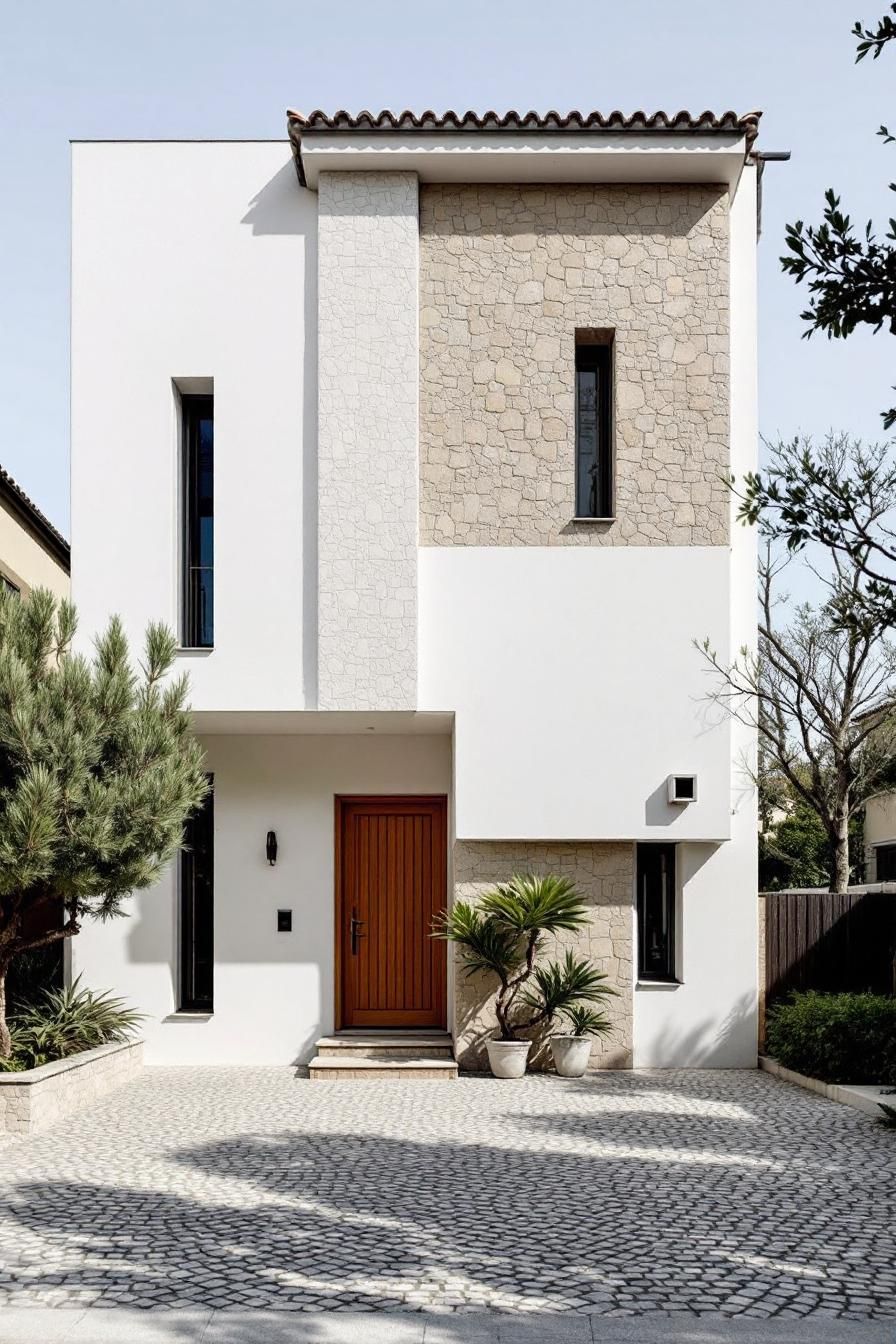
point(604, 873)
point(368, 374)
point(34, 1101)
point(507, 274)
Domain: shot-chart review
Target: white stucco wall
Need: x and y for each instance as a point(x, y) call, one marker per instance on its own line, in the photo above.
point(367, 469)
point(274, 992)
point(577, 688)
point(710, 1020)
point(197, 261)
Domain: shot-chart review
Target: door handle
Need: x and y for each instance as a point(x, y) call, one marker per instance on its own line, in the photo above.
point(355, 927)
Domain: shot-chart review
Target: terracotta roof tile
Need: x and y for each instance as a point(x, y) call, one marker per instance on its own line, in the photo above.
point(748, 124)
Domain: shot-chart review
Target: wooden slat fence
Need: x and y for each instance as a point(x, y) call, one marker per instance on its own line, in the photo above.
point(832, 943)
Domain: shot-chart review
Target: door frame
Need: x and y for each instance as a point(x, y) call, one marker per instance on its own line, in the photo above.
point(341, 800)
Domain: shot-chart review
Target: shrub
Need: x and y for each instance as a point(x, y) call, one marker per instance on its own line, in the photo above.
point(503, 935)
point(65, 1022)
point(839, 1038)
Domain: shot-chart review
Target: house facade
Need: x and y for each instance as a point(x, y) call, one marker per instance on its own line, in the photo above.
point(416, 430)
point(33, 554)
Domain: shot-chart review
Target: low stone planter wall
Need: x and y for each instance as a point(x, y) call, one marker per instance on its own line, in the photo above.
point(864, 1097)
point(33, 1101)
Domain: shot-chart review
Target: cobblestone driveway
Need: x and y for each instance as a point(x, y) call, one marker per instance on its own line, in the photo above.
point(626, 1194)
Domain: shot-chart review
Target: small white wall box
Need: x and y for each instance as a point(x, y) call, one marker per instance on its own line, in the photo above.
point(682, 788)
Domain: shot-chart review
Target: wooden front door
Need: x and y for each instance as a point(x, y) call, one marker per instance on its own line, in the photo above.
point(391, 860)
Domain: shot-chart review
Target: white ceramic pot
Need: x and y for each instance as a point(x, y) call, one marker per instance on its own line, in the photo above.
point(571, 1055)
point(507, 1059)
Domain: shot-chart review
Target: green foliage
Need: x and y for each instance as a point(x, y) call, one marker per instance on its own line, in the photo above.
point(98, 771)
point(795, 849)
point(559, 985)
point(586, 1021)
point(486, 944)
point(66, 1022)
point(851, 274)
point(839, 1038)
point(540, 904)
point(873, 39)
point(503, 936)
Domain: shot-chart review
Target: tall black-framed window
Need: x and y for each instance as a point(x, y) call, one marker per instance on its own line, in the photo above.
point(198, 438)
point(197, 909)
point(656, 912)
point(594, 422)
point(885, 863)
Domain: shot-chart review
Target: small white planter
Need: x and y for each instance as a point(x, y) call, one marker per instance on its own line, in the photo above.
point(571, 1055)
point(507, 1059)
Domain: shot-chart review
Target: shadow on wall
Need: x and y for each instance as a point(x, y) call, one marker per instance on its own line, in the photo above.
point(277, 210)
point(323, 1219)
point(709, 1044)
point(687, 205)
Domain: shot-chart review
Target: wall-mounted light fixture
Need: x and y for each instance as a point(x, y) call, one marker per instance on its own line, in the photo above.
point(270, 847)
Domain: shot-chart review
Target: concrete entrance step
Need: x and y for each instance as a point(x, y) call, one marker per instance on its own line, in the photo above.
point(386, 1045)
point(356, 1066)
point(384, 1054)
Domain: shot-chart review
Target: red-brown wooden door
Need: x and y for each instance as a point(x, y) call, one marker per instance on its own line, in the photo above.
point(391, 859)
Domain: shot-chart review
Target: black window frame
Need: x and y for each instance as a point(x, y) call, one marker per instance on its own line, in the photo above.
point(889, 852)
point(596, 357)
point(197, 627)
point(657, 958)
point(196, 992)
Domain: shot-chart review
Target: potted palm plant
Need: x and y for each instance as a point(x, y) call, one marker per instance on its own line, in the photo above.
point(503, 935)
point(571, 1051)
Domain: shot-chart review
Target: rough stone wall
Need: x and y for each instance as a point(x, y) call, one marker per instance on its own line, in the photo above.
point(35, 1101)
point(368, 250)
point(507, 274)
point(604, 873)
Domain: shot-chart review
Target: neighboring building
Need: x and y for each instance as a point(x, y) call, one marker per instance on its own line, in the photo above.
point(880, 838)
point(32, 553)
point(424, 453)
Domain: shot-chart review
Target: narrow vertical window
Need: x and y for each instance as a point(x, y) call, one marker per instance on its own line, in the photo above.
point(198, 437)
point(594, 455)
point(656, 912)
point(197, 908)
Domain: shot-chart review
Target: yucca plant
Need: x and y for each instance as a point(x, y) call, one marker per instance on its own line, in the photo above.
point(67, 1021)
point(586, 1021)
point(503, 935)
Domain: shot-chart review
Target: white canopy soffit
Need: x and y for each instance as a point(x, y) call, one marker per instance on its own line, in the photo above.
point(577, 147)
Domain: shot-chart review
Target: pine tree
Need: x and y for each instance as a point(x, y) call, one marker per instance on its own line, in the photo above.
point(98, 772)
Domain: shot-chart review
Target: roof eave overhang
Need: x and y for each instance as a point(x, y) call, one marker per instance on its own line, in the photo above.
point(501, 156)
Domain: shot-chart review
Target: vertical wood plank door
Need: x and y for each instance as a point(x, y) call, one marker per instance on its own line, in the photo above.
point(391, 880)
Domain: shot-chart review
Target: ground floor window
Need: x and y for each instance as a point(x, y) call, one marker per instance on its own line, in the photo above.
point(197, 907)
point(656, 912)
point(885, 860)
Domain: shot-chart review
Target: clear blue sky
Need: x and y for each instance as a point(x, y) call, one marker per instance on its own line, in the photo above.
point(229, 68)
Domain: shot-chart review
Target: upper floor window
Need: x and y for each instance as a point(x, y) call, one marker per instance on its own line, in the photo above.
point(594, 448)
point(198, 438)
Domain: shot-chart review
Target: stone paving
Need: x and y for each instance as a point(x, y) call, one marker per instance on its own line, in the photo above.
point(622, 1195)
